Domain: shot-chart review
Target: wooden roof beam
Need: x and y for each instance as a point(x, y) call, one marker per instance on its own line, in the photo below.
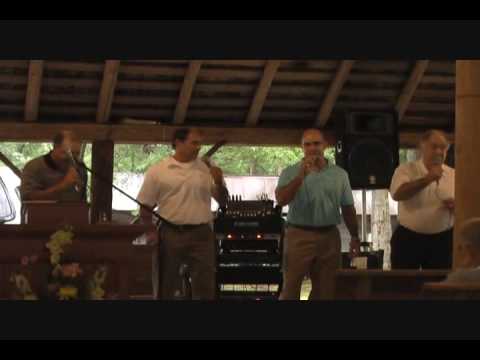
point(333, 92)
point(142, 133)
point(186, 91)
point(34, 85)
point(411, 85)
point(262, 92)
point(107, 90)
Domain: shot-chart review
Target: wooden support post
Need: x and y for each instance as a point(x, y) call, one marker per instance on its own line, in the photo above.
point(102, 164)
point(467, 148)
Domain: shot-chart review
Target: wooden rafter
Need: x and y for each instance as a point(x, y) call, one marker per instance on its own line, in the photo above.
point(32, 99)
point(262, 91)
point(107, 91)
point(186, 91)
point(410, 86)
point(333, 92)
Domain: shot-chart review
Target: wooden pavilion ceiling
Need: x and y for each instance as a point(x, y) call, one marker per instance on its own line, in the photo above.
point(240, 94)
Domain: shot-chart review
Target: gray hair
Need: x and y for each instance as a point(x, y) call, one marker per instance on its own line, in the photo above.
point(470, 231)
point(429, 133)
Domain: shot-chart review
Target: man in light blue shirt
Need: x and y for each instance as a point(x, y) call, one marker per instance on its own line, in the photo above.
point(315, 191)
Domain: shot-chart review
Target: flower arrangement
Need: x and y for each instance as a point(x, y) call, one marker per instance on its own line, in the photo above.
point(66, 279)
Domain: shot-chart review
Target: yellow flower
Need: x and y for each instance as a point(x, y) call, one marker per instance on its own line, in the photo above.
point(67, 292)
point(100, 275)
point(98, 293)
point(55, 258)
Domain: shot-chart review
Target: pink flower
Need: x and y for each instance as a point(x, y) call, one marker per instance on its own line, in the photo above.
point(71, 270)
point(24, 260)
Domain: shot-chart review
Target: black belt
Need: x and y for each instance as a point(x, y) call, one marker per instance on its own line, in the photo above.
point(313, 228)
point(182, 227)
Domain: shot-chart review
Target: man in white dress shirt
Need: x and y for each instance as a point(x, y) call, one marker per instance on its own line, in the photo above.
point(181, 187)
point(425, 192)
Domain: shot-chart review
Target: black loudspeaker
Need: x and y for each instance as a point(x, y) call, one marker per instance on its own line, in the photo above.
point(367, 148)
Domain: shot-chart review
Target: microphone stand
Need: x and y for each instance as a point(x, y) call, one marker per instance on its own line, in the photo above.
point(106, 181)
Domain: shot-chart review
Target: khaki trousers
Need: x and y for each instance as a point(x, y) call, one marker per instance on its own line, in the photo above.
point(314, 253)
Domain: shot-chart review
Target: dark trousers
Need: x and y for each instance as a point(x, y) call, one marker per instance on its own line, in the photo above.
point(195, 248)
point(411, 250)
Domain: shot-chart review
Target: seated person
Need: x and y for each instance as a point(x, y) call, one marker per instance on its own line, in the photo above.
point(55, 176)
point(470, 233)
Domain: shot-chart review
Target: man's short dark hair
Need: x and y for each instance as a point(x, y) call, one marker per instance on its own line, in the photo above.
point(311, 129)
point(59, 138)
point(181, 135)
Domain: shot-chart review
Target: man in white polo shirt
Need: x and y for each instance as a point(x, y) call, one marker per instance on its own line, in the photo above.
point(181, 186)
point(425, 192)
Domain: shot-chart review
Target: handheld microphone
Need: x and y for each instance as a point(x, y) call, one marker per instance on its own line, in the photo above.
point(76, 164)
point(438, 161)
point(312, 162)
point(71, 157)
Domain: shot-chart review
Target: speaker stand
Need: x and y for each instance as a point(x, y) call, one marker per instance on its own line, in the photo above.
point(364, 215)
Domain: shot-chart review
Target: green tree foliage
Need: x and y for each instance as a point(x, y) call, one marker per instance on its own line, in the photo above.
point(259, 160)
point(20, 153)
point(256, 160)
point(134, 158)
point(234, 160)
